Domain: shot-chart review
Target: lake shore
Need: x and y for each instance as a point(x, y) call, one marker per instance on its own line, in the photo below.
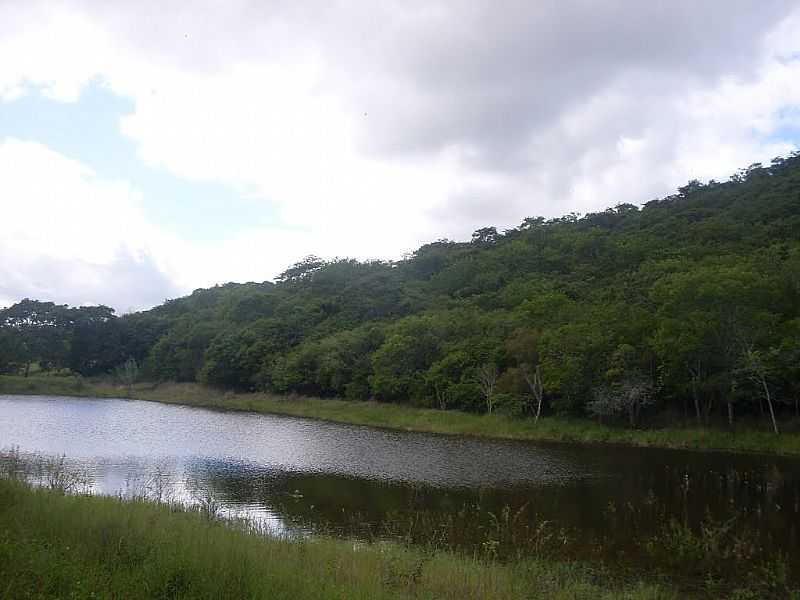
point(78, 546)
point(406, 418)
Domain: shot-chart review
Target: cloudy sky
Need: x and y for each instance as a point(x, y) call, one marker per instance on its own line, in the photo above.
point(149, 148)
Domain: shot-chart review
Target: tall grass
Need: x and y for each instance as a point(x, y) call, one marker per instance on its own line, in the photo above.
point(76, 546)
point(167, 549)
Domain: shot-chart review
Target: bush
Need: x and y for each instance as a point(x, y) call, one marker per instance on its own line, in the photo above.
point(467, 396)
point(509, 404)
point(356, 390)
point(622, 400)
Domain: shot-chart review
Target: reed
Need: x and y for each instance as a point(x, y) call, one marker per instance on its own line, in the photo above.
point(79, 546)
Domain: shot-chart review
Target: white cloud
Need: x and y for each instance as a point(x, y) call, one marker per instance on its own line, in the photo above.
point(372, 130)
point(70, 236)
point(50, 48)
point(56, 207)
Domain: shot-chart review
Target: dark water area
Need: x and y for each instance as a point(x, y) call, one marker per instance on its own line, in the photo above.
point(301, 477)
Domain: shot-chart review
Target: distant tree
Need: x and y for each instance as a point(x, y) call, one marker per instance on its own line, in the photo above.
point(302, 270)
point(97, 340)
point(531, 223)
point(533, 377)
point(754, 366)
point(42, 332)
point(446, 373)
point(128, 373)
point(690, 188)
point(13, 354)
point(485, 235)
point(627, 398)
point(522, 345)
point(487, 380)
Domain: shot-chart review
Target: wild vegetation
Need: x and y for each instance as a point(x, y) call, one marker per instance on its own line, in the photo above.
point(684, 309)
point(82, 546)
point(551, 428)
point(58, 540)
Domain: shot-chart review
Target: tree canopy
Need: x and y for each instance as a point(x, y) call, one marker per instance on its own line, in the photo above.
point(689, 303)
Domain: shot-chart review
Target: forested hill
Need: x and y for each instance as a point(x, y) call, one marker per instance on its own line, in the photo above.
point(689, 303)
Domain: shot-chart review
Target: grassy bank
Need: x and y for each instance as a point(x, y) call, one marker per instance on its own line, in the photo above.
point(60, 546)
point(408, 418)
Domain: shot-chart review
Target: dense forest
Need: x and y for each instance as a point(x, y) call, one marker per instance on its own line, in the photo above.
point(688, 306)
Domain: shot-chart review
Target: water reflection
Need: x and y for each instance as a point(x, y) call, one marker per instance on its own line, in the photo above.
point(300, 477)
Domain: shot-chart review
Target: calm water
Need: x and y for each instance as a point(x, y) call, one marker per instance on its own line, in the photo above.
point(303, 476)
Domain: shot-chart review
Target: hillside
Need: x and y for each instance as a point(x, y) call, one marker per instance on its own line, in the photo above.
point(688, 305)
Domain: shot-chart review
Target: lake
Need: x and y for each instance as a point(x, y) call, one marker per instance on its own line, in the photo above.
point(305, 477)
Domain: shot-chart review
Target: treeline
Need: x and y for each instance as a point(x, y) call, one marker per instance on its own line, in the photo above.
point(689, 305)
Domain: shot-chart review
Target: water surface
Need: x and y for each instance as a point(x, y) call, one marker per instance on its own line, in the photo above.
point(302, 476)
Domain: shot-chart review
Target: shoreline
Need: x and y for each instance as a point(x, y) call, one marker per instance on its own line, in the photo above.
point(424, 420)
point(84, 546)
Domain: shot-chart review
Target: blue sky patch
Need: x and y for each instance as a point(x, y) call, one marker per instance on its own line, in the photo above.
point(89, 131)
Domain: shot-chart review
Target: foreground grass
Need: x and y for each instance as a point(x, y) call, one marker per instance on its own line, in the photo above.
point(60, 546)
point(408, 418)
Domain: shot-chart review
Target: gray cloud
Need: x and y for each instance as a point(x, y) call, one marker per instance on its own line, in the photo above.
point(127, 283)
point(497, 81)
point(492, 75)
point(482, 74)
point(545, 107)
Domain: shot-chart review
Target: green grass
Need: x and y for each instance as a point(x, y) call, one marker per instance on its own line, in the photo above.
point(402, 417)
point(41, 384)
point(61, 546)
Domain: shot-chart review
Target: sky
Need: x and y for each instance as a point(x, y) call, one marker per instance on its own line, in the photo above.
point(149, 148)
